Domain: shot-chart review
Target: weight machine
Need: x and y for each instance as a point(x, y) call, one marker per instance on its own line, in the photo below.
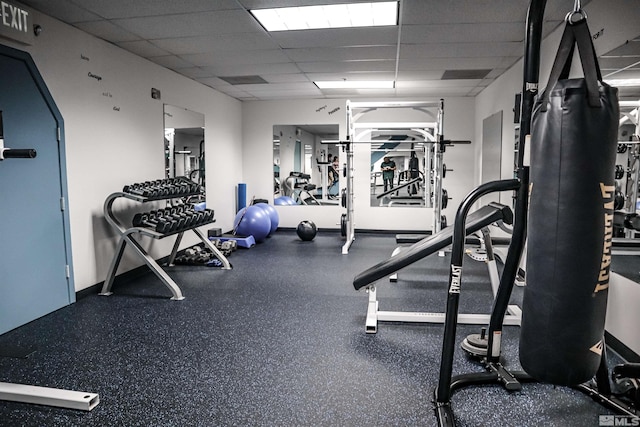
point(430, 132)
point(627, 174)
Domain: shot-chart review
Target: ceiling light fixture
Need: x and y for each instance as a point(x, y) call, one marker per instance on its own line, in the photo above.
point(328, 16)
point(623, 82)
point(355, 84)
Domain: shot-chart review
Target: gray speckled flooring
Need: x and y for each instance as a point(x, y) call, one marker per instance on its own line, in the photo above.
point(277, 341)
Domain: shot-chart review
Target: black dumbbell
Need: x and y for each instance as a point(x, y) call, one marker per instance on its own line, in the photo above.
point(149, 220)
point(180, 220)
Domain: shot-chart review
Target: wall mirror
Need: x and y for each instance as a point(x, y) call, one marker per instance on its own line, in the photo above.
point(621, 68)
point(306, 165)
point(401, 168)
point(184, 143)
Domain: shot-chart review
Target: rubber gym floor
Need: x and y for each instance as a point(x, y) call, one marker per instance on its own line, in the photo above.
point(277, 341)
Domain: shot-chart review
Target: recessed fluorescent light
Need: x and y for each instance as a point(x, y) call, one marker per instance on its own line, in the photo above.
point(355, 84)
point(623, 82)
point(328, 16)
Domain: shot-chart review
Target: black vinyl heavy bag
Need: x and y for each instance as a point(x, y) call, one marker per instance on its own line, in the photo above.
point(573, 150)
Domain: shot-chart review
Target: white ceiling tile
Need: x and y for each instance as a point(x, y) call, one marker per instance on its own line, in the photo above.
point(143, 48)
point(191, 24)
point(108, 31)
point(356, 76)
point(261, 4)
point(254, 69)
point(196, 72)
point(278, 86)
point(63, 10)
point(403, 84)
point(457, 50)
point(238, 58)
point(114, 9)
point(420, 74)
point(207, 39)
point(217, 43)
point(172, 62)
point(431, 91)
point(337, 37)
point(284, 92)
point(468, 11)
point(342, 53)
point(450, 63)
point(463, 33)
point(347, 66)
point(213, 81)
point(286, 78)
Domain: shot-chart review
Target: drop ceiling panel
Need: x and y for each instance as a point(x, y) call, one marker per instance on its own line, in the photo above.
point(402, 84)
point(254, 69)
point(630, 48)
point(357, 76)
point(209, 39)
point(337, 67)
point(114, 9)
point(172, 62)
point(196, 72)
point(342, 53)
point(617, 63)
point(468, 11)
point(108, 31)
point(464, 33)
point(63, 10)
point(237, 58)
point(278, 86)
point(217, 43)
point(286, 94)
point(430, 91)
point(213, 82)
point(190, 24)
point(261, 4)
point(452, 63)
point(456, 50)
point(287, 78)
point(143, 48)
point(337, 37)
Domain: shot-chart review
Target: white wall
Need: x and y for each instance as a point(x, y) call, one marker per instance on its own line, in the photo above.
point(260, 116)
point(114, 136)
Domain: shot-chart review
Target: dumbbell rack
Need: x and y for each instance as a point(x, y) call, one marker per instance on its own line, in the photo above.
point(127, 237)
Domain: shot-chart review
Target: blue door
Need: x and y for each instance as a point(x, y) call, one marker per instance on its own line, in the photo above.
point(35, 260)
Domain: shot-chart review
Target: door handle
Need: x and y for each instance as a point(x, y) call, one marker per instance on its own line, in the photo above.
point(10, 153)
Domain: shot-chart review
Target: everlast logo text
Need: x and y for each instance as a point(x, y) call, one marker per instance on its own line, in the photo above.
point(603, 278)
point(456, 274)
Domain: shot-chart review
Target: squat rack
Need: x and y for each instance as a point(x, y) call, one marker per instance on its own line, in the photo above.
point(432, 132)
point(629, 113)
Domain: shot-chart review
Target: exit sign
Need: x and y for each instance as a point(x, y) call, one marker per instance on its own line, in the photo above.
point(16, 22)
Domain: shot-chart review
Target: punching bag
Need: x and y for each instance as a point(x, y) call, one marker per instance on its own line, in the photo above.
point(573, 149)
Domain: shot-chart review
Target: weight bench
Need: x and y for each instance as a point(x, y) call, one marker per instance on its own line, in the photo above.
point(477, 221)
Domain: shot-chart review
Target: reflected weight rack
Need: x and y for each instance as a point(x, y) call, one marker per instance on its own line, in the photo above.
point(158, 224)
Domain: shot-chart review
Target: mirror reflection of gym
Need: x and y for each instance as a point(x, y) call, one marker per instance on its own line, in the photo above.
point(184, 143)
point(409, 157)
point(306, 167)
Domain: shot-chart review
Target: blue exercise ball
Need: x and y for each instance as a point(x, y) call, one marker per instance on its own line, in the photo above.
point(281, 201)
point(273, 216)
point(306, 230)
point(252, 221)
